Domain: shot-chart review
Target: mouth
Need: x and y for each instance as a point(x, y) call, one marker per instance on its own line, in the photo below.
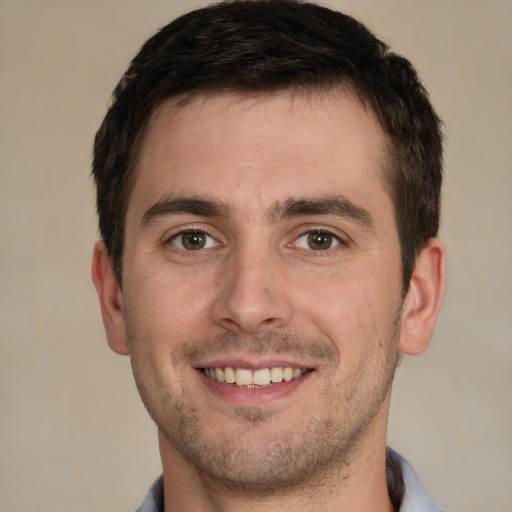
point(253, 379)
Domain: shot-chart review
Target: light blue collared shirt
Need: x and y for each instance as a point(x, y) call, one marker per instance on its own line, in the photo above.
point(415, 498)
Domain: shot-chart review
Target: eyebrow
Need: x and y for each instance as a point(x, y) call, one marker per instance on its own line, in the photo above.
point(200, 206)
point(336, 205)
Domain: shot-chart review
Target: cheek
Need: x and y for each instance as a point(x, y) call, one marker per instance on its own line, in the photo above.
point(350, 310)
point(166, 306)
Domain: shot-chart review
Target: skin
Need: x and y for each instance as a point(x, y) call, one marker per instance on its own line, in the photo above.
point(262, 292)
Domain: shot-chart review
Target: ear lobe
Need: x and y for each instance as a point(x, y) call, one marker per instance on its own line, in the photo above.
point(423, 300)
point(111, 299)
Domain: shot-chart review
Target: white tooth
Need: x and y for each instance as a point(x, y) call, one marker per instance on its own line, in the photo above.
point(276, 374)
point(261, 377)
point(297, 373)
point(243, 377)
point(219, 373)
point(229, 375)
point(288, 374)
point(212, 374)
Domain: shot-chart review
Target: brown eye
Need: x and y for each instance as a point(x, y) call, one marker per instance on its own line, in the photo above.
point(320, 241)
point(193, 240)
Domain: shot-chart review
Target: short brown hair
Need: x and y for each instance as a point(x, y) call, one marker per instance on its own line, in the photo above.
point(261, 46)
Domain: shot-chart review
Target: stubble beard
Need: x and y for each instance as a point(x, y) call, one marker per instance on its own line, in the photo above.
point(260, 460)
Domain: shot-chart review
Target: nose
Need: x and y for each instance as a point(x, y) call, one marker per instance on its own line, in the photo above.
point(253, 295)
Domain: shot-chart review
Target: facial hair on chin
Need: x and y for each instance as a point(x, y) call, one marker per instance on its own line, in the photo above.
point(264, 460)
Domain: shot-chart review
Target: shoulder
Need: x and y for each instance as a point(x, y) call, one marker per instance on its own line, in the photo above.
point(154, 500)
point(415, 498)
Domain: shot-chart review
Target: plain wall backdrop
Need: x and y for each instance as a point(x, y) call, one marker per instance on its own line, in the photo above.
point(73, 433)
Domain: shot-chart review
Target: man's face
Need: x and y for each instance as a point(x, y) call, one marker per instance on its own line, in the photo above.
point(261, 247)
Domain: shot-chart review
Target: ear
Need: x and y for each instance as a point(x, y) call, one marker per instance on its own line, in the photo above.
point(423, 299)
point(111, 299)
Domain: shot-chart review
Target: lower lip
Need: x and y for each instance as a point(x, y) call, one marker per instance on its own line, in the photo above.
point(253, 396)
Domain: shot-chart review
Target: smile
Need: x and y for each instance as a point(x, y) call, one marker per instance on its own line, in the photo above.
point(253, 378)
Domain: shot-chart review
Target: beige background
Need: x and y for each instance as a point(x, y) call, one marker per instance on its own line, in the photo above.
point(73, 435)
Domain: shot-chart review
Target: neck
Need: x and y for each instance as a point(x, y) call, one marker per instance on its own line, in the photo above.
point(358, 486)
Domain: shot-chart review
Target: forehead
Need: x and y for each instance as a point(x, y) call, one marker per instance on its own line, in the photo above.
point(242, 147)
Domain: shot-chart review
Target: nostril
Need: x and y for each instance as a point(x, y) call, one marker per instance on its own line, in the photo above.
point(247, 305)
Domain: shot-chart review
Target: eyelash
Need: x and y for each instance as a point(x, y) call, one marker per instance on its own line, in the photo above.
point(191, 231)
point(336, 239)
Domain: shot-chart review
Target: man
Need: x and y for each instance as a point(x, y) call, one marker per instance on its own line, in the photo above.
point(268, 180)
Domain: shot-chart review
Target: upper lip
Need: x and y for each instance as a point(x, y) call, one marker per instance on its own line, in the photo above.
point(252, 362)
